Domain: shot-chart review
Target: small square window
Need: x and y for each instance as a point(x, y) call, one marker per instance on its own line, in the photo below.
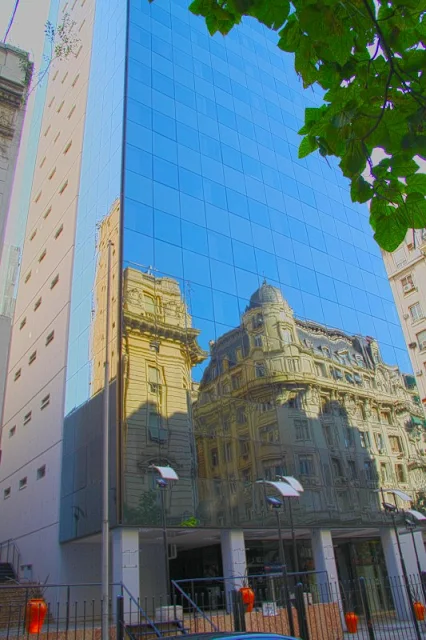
point(68, 147)
point(23, 323)
point(59, 231)
point(54, 281)
point(41, 472)
point(12, 431)
point(71, 112)
point(47, 212)
point(27, 277)
point(17, 374)
point(22, 483)
point(42, 255)
point(37, 304)
point(45, 402)
point(59, 109)
point(32, 357)
point(6, 493)
point(49, 338)
point(33, 235)
point(27, 417)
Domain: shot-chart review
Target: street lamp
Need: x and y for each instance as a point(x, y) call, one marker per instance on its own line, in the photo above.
point(411, 523)
point(166, 475)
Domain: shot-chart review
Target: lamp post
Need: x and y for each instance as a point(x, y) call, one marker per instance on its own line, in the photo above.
point(166, 476)
point(411, 523)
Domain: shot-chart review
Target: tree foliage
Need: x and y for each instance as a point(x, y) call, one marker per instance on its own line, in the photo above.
point(369, 56)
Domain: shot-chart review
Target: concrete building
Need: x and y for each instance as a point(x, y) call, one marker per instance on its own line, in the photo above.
point(406, 268)
point(182, 150)
point(15, 75)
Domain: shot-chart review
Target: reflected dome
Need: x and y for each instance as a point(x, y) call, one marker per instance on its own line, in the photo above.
point(266, 294)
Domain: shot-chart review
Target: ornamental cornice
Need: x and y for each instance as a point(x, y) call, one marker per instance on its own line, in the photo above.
point(11, 93)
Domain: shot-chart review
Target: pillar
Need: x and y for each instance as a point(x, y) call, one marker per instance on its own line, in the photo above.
point(394, 570)
point(409, 547)
point(325, 563)
point(234, 561)
point(125, 568)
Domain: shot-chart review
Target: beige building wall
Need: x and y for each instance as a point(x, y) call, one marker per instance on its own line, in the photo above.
point(31, 438)
point(406, 268)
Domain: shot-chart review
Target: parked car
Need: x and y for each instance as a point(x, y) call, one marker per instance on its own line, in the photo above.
point(233, 635)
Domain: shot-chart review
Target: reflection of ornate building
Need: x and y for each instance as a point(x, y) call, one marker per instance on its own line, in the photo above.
point(281, 396)
point(159, 349)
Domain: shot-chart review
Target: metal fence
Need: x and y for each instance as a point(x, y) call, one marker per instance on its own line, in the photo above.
point(306, 606)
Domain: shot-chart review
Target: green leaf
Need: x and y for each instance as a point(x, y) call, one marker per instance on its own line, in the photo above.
point(307, 146)
point(354, 160)
point(361, 190)
point(417, 182)
point(390, 231)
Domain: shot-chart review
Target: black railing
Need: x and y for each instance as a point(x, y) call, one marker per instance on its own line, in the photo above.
point(9, 554)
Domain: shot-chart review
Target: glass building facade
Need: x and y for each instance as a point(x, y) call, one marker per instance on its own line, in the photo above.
point(190, 169)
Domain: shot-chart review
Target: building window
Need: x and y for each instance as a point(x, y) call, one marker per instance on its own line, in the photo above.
point(260, 369)
point(349, 437)
point(416, 312)
point(33, 235)
point(352, 470)
point(42, 255)
point(47, 212)
point(22, 483)
point(399, 258)
point(71, 113)
point(59, 109)
point(228, 451)
point(51, 174)
point(395, 444)
point(286, 336)
point(301, 428)
point(421, 339)
point(385, 417)
point(6, 493)
point(32, 357)
point(41, 472)
point(407, 284)
point(54, 281)
point(157, 431)
point(306, 465)
point(27, 417)
point(37, 198)
point(400, 473)
point(75, 80)
point(64, 186)
point(293, 365)
point(244, 447)
point(383, 472)
point(23, 323)
point(27, 277)
point(337, 468)
point(241, 416)
point(17, 374)
point(37, 304)
point(59, 231)
point(12, 431)
point(49, 338)
point(257, 321)
point(68, 147)
point(236, 381)
point(45, 402)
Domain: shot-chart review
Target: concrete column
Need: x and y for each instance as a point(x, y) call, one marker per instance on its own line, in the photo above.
point(394, 569)
point(325, 562)
point(125, 567)
point(234, 561)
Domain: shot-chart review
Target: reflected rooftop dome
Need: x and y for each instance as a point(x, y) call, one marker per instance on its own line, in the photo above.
point(266, 294)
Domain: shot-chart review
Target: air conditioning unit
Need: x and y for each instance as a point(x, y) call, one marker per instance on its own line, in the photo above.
point(407, 287)
point(406, 316)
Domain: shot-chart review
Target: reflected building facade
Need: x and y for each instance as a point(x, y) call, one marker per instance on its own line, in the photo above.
point(241, 281)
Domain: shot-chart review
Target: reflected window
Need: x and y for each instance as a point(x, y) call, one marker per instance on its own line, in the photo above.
point(349, 437)
point(368, 470)
point(286, 336)
point(273, 470)
point(395, 444)
point(383, 472)
point(328, 434)
point(244, 447)
point(241, 416)
point(352, 469)
point(257, 321)
point(232, 485)
point(228, 451)
point(364, 437)
point(302, 431)
point(268, 434)
point(260, 369)
point(306, 465)
point(154, 380)
point(379, 442)
point(157, 430)
point(236, 381)
point(258, 340)
point(293, 365)
point(320, 370)
point(385, 417)
point(214, 457)
point(149, 304)
point(400, 473)
point(337, 468)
